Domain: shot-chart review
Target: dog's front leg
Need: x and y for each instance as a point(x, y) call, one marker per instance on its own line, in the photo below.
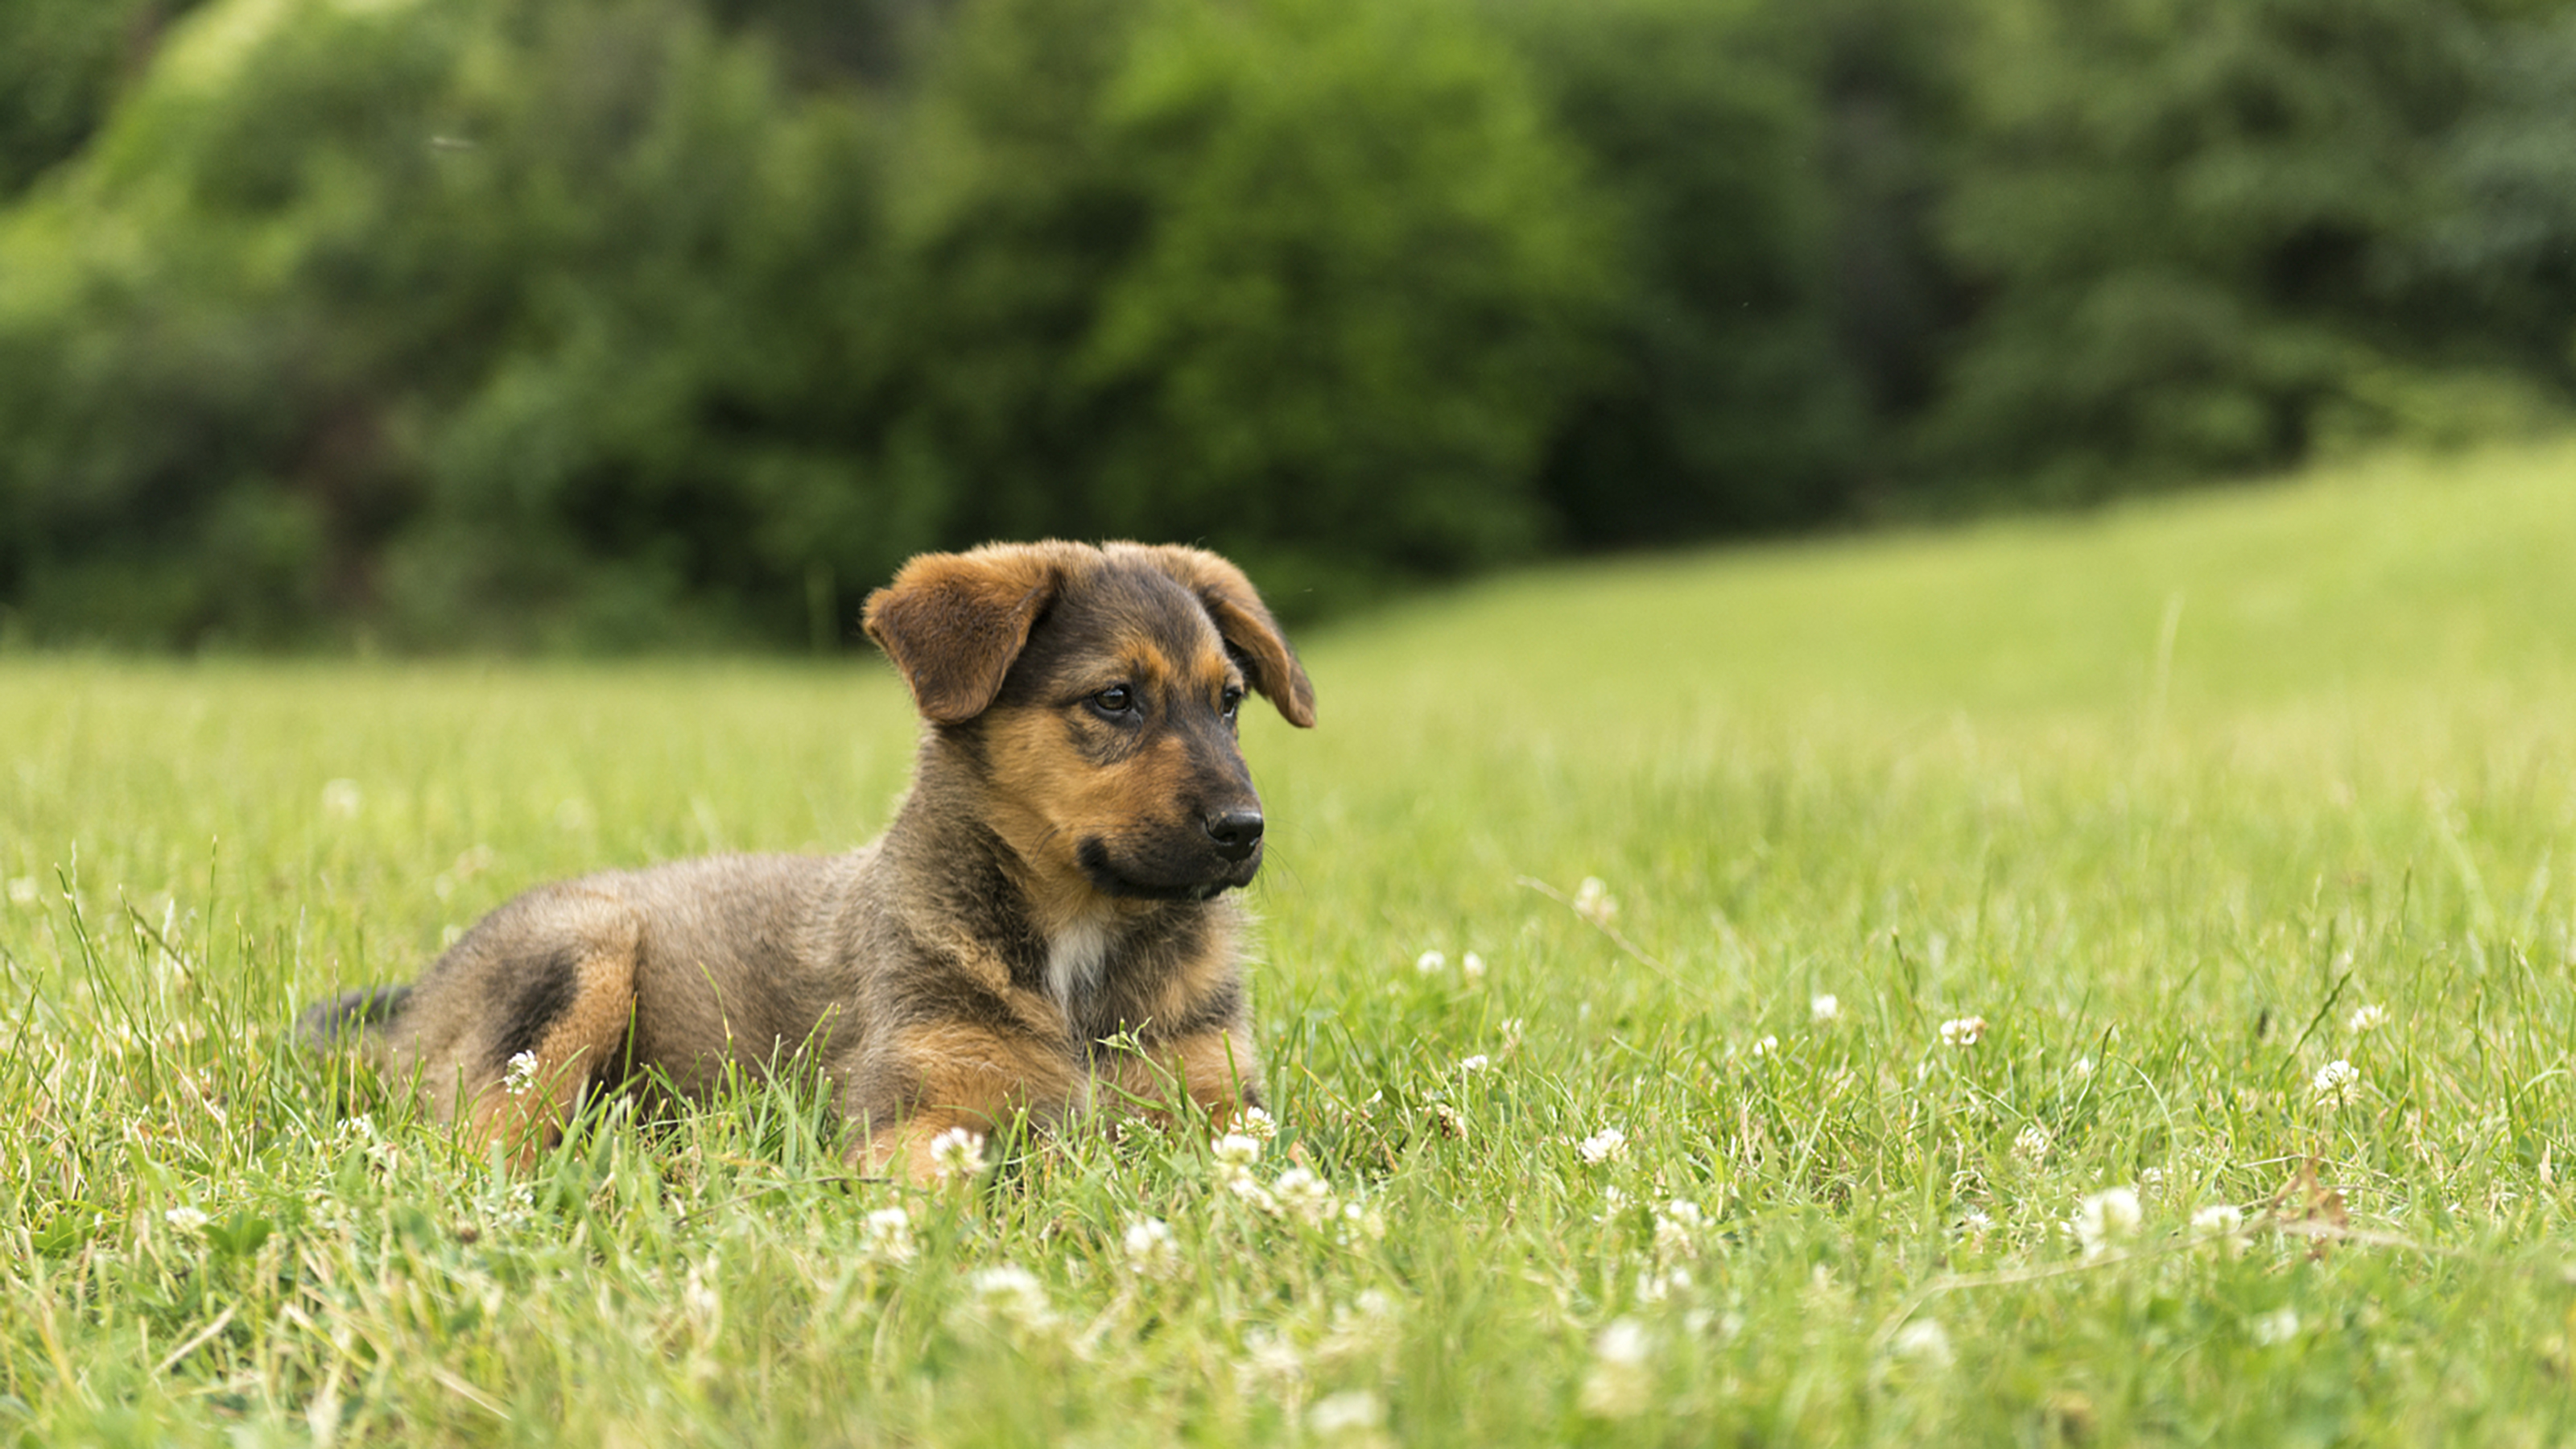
point(946, 1077)
point(1212, 1068)
point(1217, 1071)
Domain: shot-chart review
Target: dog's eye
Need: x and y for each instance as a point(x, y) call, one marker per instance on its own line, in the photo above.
point(1116, 699)
point(1231, 700)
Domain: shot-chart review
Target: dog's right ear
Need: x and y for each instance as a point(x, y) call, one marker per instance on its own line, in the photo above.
point(953, 622)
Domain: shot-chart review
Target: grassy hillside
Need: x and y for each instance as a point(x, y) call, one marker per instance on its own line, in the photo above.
point(2186, 802)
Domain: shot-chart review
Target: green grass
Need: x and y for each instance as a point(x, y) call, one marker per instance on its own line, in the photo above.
point(2165, 795)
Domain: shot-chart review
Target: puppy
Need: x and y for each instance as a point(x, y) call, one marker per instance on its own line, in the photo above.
point(1057, 876)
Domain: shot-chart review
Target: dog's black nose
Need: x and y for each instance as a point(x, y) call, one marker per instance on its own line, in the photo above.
point(1237, 833)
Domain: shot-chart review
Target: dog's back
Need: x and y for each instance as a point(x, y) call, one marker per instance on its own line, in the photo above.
point(726, 964)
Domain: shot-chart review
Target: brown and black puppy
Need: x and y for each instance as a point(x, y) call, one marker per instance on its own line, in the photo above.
point(1058, 875)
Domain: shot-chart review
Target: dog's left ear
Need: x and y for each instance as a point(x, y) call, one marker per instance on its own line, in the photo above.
point(1245, 625)
point(953, 622)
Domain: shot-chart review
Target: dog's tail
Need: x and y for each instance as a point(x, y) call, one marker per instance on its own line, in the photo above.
point(333, 1023)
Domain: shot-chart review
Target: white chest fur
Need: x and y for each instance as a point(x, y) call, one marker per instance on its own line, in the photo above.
point(1075, 956)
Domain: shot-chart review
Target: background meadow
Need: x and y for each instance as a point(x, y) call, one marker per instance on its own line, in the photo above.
point(2182, 802)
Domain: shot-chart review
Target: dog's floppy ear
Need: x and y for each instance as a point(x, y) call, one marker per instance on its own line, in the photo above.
point(953, 622)
point(1245, 625)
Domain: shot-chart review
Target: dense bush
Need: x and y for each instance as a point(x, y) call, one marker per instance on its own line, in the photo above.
point(1153, 295)
point(2213, 234)
point(367, 310)
point(585, 323)
point(1721, 400)
point(62, 64)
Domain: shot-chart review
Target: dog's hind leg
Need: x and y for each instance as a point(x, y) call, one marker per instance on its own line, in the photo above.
point(547, 1008)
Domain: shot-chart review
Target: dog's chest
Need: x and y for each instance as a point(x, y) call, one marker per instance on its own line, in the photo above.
point(1076, 957)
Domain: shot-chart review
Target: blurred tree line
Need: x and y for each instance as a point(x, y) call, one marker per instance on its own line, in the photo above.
point(617, 323)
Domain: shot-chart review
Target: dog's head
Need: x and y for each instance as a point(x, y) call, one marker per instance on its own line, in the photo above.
point(1095, 692)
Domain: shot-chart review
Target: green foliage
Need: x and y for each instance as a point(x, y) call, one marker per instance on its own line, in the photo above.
point(543, 324)
point(62, 64)
point(1721, 400)
point(1157, 297)
point(2203, 224)
point(520, 319)
point(2169, 872)
point(1354, 331)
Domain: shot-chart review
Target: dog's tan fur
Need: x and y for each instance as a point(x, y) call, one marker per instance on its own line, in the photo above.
point(1055, 878)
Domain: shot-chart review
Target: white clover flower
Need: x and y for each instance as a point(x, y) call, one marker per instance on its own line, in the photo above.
point(1474, 1064)
point(957, 1154)
point(1257, 1124)
point(1974, 1220)
point(2083, 1068)
point(1304, 1196)
point(885, 1235)
point(1824, 1006)
point(2270, 1328)
point(1677, 1226)
point(1450, 1121)
point(1363, 1219)
point(2367, 1019)
point(185, 1218)
point(1234, 1149)
point(1152, 1251)
point(23, 891)
point(1766, 1046)
point(1471, 967)
point(520, 1075)
point(1366, 1325)
point(1012, 1295)
point(1923, 1341)
point(1371, 1310)
point(698, 1298)
point(2106, 1217)
point(1607, 1145)
point(1656, 1287)
point(2032, 1144)
point(2337, 1084)
point(2223, 1221)
point(1430, 963)
point(1241, 1183)
point(1269, 1356)
point(1620, 1383)
point(341, 800)
point(1594, 903)
point(1356, 1411)
point(1963, 1031)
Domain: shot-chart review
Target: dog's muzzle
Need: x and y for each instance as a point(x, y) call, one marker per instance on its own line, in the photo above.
point(1224, 855)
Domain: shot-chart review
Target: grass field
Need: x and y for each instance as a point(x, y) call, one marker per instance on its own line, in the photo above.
point(2186, 803)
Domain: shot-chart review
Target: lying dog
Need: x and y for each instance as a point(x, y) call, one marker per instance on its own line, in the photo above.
point(1055, 878)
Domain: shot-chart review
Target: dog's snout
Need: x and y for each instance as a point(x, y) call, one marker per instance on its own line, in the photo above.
point(1237, 833)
